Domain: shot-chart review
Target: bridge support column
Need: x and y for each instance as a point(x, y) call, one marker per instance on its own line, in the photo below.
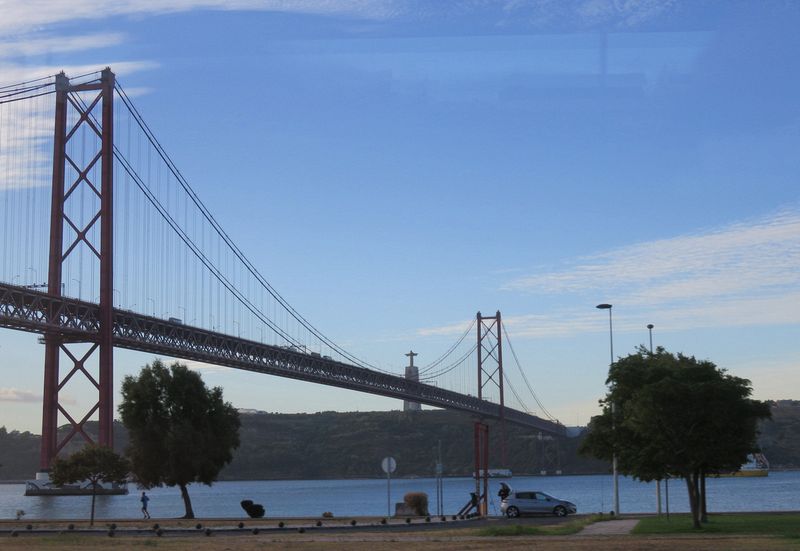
point(82, 171)
point(52, 341)
point(481, 433)
point(490, 368)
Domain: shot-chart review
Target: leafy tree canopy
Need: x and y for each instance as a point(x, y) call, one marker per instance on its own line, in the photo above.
point(180, 431)
point(94, 464)
point(667, 414)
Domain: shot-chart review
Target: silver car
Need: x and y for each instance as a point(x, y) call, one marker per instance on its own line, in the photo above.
point(530, 502)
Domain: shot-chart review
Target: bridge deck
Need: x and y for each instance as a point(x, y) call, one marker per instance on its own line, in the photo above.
point(74, 320)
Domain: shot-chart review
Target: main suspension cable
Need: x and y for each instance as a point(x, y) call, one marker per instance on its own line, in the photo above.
point(452, 366)
point(227, 240)
point(525, 378)
point(449, 351)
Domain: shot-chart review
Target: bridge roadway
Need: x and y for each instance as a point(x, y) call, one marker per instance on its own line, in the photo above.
point(73, 320)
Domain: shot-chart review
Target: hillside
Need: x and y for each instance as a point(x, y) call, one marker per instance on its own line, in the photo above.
point(780, 437)
point(342, 445)
point(345, 445)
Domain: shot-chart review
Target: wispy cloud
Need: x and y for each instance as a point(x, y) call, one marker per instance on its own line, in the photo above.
point(587, 14)
point(17, 395)
point(450, 329)
point(26, 130)
point(747, 259)
point(24, 17)
point(49, 43)
point(744, 274)
point(719, 313)
point(26, 127)
point(33, 15)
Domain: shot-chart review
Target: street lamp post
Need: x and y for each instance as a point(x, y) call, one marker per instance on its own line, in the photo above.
point(658, 482)
point(615, 476)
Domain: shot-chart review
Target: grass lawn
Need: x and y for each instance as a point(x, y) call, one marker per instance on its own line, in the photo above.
point(562, 529)
point(772, 524)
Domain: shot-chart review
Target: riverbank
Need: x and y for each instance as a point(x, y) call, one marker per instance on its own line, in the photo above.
point(303, 534)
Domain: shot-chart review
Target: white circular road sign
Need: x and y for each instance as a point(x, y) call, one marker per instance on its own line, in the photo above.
point(389, 465)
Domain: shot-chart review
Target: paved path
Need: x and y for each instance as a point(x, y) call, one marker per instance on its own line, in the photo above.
point(609, 528)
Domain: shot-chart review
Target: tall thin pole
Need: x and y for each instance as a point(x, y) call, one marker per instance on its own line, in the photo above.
point(611, 335)
point(666, 480)
point(658, 482)
point(615, 475)
point(439, 488)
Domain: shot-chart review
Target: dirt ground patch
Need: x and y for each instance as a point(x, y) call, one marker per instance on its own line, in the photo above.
point(337, 535)
point(385, 541)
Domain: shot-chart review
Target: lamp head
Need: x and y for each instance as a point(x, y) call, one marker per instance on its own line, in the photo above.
point(603, 306)
point(650, 325)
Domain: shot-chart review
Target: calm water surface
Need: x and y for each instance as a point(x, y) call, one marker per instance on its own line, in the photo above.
point(780, 491)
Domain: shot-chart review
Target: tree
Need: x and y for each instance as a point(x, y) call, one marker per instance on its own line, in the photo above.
point(674, 415)
point(180, 431)
point(93, 463)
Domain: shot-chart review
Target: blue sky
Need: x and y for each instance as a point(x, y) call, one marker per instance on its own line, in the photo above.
point(392, 167)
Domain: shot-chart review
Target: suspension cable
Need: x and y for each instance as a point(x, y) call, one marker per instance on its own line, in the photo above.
point(196, 250)
point(228, 241)
point(525, 378)
point(24, 93)
point(186, 239)
point(449, 351)
point(452, 366)
point(26, 82)
point(514, 392)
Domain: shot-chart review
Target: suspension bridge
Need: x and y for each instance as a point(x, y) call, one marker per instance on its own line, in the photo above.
point(105, 244)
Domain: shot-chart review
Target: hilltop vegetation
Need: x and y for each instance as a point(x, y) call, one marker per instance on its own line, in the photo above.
point(780, 438)
point(342, 445)
point(19, 454)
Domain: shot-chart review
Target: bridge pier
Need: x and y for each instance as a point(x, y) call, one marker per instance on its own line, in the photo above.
point(490, 367)
point(84, 169)
point(481, 445)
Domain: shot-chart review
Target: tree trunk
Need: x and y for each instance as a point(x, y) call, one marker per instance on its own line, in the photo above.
point(94, 494)
point(703, 511)
point(691, 486)
point(187, 502)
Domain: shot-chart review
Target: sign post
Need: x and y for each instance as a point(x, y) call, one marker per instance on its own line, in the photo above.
point(389, 465)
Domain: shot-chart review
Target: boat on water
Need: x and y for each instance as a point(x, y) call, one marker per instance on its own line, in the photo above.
point(756, 465)
point(496, 473)
point(43, 486)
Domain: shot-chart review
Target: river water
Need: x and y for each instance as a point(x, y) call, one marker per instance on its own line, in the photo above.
point(780, 491)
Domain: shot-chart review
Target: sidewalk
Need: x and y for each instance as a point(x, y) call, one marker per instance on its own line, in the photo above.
point(609, 528)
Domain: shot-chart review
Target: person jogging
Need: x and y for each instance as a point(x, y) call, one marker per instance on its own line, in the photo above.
point(144, 501)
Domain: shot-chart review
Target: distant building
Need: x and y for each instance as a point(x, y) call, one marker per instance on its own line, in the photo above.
point(412, 374)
